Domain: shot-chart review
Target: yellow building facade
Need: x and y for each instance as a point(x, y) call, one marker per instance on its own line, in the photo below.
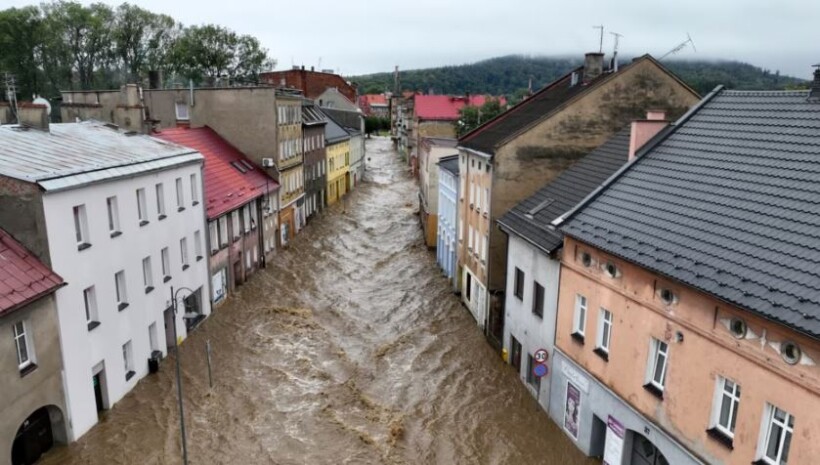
point(338, 169)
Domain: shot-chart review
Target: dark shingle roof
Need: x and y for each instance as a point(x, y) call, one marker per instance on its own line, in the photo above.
point(531, 218)
point(449, 164)
point(728, 203)
point(333, 131)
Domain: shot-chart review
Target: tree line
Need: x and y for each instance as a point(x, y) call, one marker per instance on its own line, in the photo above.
point(511, 76)
point(65, 45)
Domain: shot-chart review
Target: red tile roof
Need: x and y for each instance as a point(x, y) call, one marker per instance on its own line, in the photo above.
point(23, 278)
point(445, 107)
point(226, 188)
point(374, 99)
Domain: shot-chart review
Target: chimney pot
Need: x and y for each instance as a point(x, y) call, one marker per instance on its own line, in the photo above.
point(814, 94)
point(593, 66)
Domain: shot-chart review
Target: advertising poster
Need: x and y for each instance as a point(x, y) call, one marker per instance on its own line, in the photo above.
point(614, 447)
point(572, 410)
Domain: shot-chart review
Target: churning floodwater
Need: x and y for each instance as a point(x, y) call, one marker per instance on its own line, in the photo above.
point(349, 349)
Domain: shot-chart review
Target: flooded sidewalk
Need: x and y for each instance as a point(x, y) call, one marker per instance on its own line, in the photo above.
point(349, 349)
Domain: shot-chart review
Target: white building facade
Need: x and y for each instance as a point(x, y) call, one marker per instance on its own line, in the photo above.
point(124, 223)
point(448, 217)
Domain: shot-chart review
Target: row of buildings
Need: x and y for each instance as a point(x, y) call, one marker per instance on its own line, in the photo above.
point(656, 252)
point(122, 230)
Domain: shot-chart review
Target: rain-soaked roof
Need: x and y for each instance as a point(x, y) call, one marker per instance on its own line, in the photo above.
point(73, 154)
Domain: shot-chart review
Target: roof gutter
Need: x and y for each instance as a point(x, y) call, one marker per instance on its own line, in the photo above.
point(649, 146)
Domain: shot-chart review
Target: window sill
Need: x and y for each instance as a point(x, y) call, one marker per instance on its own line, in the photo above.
point(166, 279)
point(27, 369)
point(162, 217)
point(185, 267)
point(144, 222)
point(195, 203)
point(519, 297)
point(116, 234)
point(122, 306)
point(83, 246)
point(720, 437)
point(540, 316)
point(214, 252)
point(149, 289)
point(181, 209)
point(578, 337)
point(198, 257)
point(602, 353)
point(92, 325)
point(760, 462)
point(654, 390)
point(130, 375)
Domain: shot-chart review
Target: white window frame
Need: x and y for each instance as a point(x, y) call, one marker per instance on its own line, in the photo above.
point(658, 349)
point(213, 231)
point(90, 305)
point(237, 231)
point(142, 210)
point(113, 214)
point(579, 319)
point(725, 393)
point(121, 292)
point(222, 231)
point(147, 274)
point(787, 432)
point(160, 191)
point(181, 111)
point(166, 264)
point(180, 194)
point(198, 244)
point(183, 253)
point(194, 190)
point(23, 344)
point(128, 358)
point(81, 225)
point(604, 330)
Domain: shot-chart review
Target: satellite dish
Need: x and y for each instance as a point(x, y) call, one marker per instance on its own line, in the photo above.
point(41, 101)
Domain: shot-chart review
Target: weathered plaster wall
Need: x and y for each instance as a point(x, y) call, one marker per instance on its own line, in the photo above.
point(707, 350)
point(21, 214)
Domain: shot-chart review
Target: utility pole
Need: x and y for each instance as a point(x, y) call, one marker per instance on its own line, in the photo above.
point(601, 45)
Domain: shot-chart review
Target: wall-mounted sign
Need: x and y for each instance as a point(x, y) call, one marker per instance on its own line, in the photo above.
point(614, 446)
point(572, 410)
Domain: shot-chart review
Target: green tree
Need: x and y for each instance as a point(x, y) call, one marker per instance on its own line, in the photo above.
point(21, 42)
point(141, 40)
point(471, 117)
point(213, 51)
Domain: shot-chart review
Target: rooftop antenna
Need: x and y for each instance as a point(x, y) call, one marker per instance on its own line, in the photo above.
point(11, 94)
point(680, 47)
point(614, 65)
point(601, 45)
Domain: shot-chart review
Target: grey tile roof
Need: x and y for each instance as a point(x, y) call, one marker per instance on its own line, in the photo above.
point(728, 203)
point(531, 218)
point(79, 153)
point(333, 131)
point(311, 116)
point(450, 164)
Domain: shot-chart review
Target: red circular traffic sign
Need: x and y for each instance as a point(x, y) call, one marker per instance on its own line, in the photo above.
point(541, 356)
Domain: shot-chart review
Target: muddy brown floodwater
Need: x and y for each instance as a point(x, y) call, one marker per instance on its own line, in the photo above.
point(349, 349)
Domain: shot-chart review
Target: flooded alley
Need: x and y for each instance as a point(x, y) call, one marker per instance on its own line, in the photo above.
point(349, 349)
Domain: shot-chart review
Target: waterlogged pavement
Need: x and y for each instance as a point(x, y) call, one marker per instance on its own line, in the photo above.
point(349, 349)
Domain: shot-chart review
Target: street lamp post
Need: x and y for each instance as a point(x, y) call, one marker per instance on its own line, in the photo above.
point(179, 377)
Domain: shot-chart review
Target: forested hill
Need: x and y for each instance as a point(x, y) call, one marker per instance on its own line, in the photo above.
point(510, 75)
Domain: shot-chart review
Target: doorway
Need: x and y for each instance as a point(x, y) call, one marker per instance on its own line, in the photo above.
point(168, 316)
point(99, 383)
point(645, 453)
point(515, 354)
point(33, 439)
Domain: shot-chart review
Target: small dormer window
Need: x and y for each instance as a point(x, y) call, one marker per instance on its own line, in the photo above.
point(611, 270)
point(668, 296)
point(790, 352)
point(738, 328)
point(586, 259)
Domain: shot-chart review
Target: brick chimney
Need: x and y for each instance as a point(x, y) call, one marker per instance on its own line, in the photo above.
point(33, 115)
point(593, 66)
point(814, 94)
point(645, 129)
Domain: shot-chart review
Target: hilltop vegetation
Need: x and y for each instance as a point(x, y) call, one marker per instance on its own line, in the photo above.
point(510, 75)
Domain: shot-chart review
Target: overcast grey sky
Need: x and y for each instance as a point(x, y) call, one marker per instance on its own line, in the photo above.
point(364, 36)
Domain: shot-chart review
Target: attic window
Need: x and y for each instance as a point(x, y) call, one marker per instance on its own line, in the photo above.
point(544, 204)
point(790, 352)
point(668, 296)
point(738, 328)
point(239, 167)
point(611, 270)
point(247, 164)
point(586, 259)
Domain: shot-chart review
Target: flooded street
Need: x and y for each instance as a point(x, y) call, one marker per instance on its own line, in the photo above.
point(349, 349)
